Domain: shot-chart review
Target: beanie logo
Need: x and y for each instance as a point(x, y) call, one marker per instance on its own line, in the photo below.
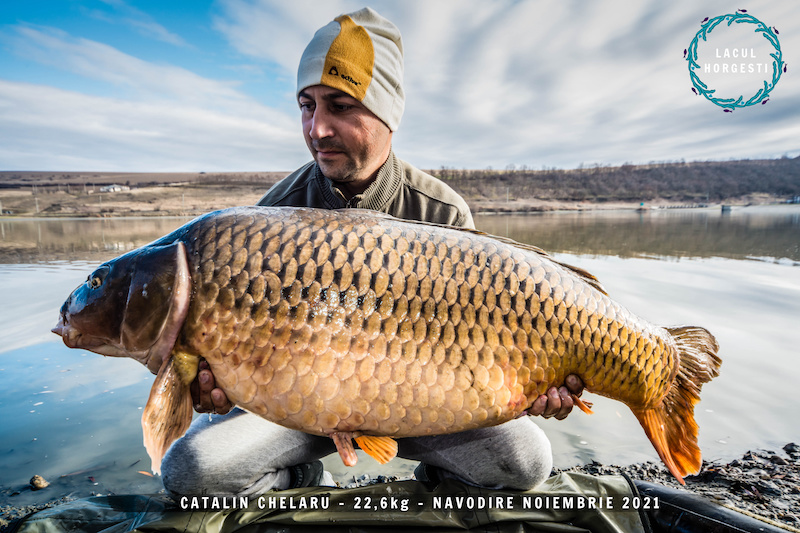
point(349, 60)
point(334, 72)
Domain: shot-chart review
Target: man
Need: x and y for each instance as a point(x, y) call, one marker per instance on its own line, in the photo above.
point(351, 100)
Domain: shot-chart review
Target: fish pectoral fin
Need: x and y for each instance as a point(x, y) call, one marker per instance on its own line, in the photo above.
point(168, 412)
point(344, 445)
point(585, 406)
point(382, 449)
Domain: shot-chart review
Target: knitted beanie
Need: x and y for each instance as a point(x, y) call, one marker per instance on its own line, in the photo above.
point(360, 54)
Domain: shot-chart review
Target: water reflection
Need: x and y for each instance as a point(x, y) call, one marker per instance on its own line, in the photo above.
point(74, 419)
point(36, 240)
point(75, 414)
point(751, 232)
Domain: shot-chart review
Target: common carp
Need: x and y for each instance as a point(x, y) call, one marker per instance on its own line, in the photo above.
point(358, 325)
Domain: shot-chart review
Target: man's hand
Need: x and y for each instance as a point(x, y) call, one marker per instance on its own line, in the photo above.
point(206, 398)
point(557, 402)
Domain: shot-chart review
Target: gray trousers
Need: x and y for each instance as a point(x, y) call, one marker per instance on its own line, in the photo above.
point(243, 454)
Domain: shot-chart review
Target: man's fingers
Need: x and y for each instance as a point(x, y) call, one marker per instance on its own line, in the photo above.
point(553, 403)
point(557, 402)
point(566, 403)
point(206, 379)
point(538, 406)
point(220, 400)
point(202, 389)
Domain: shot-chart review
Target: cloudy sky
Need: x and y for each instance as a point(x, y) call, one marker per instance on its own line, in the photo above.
point(198, 85)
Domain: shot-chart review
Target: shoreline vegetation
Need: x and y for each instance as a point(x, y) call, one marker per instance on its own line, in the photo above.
point(507, 191)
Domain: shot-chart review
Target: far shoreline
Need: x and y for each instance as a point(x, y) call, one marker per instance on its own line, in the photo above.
point(652, 186)
point(170, 206)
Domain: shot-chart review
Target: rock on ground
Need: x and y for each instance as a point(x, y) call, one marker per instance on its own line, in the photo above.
point(763, 483)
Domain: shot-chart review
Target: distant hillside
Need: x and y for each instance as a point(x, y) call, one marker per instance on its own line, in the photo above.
point(90, 180)
point(510, 190)
point(677, 182)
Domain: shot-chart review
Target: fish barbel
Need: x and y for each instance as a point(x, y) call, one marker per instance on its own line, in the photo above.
point(354, 324)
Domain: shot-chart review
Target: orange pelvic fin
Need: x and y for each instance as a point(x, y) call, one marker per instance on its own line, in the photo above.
point(584, 406)
point(382, 449)
point(670, 426)
point(168, 412)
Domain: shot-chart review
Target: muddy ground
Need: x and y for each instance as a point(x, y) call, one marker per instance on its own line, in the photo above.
point(763, 483)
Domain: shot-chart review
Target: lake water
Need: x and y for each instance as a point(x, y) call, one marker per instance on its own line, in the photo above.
point(73, 416)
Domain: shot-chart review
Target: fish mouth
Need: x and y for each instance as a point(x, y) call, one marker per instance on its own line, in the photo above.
point(66, 333)
point(71, 336)
point(59, 329)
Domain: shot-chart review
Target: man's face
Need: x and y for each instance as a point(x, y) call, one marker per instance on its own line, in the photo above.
point(348, 142)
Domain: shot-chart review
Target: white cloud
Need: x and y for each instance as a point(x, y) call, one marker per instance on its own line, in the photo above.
point(533, 82)
point(48, 128)
point(100, 62)
point(274, 31)
point(140, 21)
point(161, 117)
point(543, 83)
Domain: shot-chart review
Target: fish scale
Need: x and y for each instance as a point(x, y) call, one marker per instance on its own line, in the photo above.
point(353, 323)
point(327, 274)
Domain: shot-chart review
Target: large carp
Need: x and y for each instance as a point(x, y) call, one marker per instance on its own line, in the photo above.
point(354, 324)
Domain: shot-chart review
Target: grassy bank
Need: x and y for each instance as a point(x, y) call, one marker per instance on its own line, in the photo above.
point(515, 190)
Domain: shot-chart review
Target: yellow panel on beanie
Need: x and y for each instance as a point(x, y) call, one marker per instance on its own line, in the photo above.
point(360, 54)
point(348, 63)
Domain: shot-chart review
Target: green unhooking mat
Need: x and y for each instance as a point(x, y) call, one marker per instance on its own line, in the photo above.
point(567, 502)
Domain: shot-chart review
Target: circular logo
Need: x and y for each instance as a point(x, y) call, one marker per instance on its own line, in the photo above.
point(733, 58)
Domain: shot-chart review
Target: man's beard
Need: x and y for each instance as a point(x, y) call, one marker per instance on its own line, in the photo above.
point(343, 171)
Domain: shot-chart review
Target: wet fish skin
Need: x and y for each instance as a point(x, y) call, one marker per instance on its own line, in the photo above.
point(339, 322)
point(341, 331)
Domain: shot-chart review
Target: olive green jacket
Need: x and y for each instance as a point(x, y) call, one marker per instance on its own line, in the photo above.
point(399, 190)
point(405, 505)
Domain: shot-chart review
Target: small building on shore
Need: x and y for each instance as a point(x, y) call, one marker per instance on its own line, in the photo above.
point(115, 188)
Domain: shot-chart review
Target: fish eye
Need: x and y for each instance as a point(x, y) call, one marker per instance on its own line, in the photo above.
point(95, 280)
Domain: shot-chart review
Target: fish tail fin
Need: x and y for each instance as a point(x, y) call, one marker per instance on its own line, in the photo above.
point(168, 412)
point(671, 426)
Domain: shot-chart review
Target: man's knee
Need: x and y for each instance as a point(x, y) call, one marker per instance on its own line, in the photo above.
point(526, 460)
point(515, 455)
point(180, 474)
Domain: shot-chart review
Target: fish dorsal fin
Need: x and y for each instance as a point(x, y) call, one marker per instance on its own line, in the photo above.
point(583, 274)
point(368, 213)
